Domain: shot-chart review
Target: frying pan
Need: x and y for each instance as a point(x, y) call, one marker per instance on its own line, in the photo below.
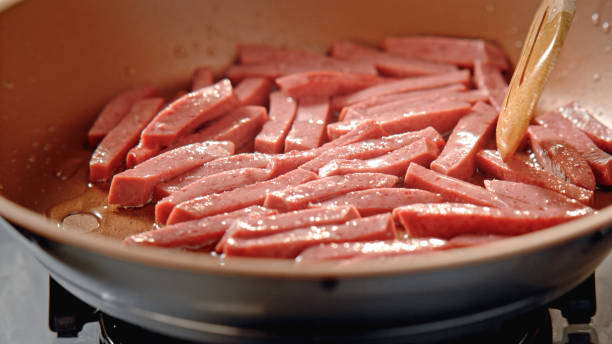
point(62, 60)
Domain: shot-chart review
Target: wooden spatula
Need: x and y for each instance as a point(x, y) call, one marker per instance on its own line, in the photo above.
point(540, 50)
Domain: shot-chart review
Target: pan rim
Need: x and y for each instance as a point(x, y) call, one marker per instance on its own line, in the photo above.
point(285, 268)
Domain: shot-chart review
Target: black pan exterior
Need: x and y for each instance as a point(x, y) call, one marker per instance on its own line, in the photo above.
point(213, 306)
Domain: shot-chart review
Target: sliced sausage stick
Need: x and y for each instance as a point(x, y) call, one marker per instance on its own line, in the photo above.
point(134, 187)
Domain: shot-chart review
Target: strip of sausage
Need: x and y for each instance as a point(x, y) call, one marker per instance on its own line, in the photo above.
point(600, 161)
point(536, 197)
point(234, 162)
point(238, 126)
point(242, 197)
point(202, 77)
point(372, 148)
point(140, 153)
point(468, 137)
point(589, 124)
point(434, 93)
point(442, 116)
point(256, 227)
point(215, 183)
point(273, 70)
point(282, 163)
point(460, 51)
point(271, 138)
point(381, 200)
point(290, 244)
point(111, 152)
point(371, 249)
point(116, 109)
point(421, 152)
point(518, 169)
point(298, 197)
point(404, 85)
point(446, 220)
point(387, 64)
point(452, 189)
point(559, 158)
point(366, 130)
point(406, 105)
point(490, 79)
point(308, 129)
point(253, 91)
point(188, 112)
point(325, 83)
point(134, 187)
point(197, 234)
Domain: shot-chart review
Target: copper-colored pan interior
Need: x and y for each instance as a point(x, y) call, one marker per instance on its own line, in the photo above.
point(60, 62)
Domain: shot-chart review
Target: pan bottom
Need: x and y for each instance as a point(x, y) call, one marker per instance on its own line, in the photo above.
point(530, 327)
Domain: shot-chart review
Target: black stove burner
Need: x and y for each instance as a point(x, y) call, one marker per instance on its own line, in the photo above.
point(534, 328)
point(67, 315)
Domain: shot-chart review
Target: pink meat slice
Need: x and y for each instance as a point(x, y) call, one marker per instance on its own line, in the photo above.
point(202, 77)
point(238, 126)
point(253, 194)
point(111, 152)
point(518, 169)
point(600, 161)
point(273, 70)
point(263, 54)
point(215, 183)
point(406, 105)
point(372, 148)
point(453, 189)
point(271, 138)
point(298, 197)
point(234, 162)
point(253, 91)
point(467, 240)
point(261, 226)
point(446, 220)
point(116, 109)
point(366, 130)
point(460, 51)
point(584, 120)
point(197, 234)
point(403, 85)
point(282, 163)
point(468, 137)
point(421, 152)
point(371, 249)
point(382, 200)
point(490, 79)
point(188, 112)
point(442, 116)
point(559, 157)
point(134, 187)
point(140, 153)
point(308, 129)
point(325, 83)
point(434, 93)
point(536, 197)
point(388, 64)
point(290, 244)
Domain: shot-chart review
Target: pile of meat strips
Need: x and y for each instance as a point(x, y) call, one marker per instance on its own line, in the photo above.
point(344, 155)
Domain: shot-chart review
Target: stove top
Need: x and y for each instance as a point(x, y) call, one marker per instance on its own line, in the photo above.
point(32, 304)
